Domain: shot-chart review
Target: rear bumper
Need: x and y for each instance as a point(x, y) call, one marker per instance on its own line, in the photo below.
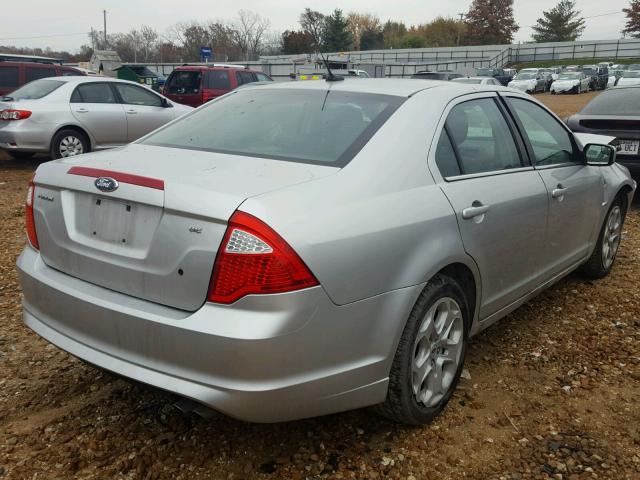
point(25, 136)
point(264, 359)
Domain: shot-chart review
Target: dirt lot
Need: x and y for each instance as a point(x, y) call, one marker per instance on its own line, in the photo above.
point(553, 393)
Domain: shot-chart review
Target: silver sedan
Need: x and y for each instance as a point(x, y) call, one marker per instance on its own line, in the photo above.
point(67, 116)
point(303, 248)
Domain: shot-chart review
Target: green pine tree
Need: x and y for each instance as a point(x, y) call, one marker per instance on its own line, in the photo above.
point(337, 37)
point(562, 23)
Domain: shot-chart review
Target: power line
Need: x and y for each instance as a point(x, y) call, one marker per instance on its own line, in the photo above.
point(587, 18)
point(45, 36)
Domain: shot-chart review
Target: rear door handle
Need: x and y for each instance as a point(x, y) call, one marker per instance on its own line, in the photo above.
point(82, 110)
point(559, 191)
point(132, 112)
point(476, 209)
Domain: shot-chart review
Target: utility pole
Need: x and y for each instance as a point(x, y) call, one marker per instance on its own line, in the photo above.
point(104, 19)
point(459, 27)
point(93, 40)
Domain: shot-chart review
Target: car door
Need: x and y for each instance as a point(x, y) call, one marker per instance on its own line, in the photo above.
point(575, 189)
point(499, 200)
point(145, 111)
point(95, 106)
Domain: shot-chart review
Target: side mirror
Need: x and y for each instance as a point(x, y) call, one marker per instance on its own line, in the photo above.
point(599, 155)
point(165, 103)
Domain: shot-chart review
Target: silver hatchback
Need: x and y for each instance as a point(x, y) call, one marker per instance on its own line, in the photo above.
point(298, 249)
point(67, 116)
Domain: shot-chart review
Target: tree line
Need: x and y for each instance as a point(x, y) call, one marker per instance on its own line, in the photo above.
point(249, 35)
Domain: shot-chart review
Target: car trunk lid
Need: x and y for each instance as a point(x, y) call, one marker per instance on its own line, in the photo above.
point(157, 234)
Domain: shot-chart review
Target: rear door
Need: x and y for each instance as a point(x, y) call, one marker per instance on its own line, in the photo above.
point(35, 72)
point(185, 87)
point(143, 109)
point(216, 83)
point(575, 189)
point(499, 200)
point(95, 106)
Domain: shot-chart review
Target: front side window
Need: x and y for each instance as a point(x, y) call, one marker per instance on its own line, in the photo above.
point(262, 77)
point(551, 143)
point(482, 137)
point(93, 93)
point(245, 77)
point(315, 126)
point(134, 95)
point(32, 73)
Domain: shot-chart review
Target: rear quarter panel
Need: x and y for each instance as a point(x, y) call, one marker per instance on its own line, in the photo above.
point(379, 224)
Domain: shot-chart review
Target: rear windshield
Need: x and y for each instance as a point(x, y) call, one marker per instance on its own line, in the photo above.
point(184, 81)
point(618, 101)
point(34, 90)
point(306, 126)
point(468, 80)
point(569, 76)
point(525, 76)
point(431, 76)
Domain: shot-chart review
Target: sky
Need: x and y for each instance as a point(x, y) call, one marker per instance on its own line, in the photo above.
point(60, 24)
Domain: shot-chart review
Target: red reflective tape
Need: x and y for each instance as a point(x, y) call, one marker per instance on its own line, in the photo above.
point(119, 176)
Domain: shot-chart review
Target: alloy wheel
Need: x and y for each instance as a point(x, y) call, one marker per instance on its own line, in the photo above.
point(611, 238)
point(437, 351)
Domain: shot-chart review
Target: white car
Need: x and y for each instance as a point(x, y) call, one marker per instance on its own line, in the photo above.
point(629, 77)
point(67, 116)
point(529, 82)
point(478, 81)
point(570, 82)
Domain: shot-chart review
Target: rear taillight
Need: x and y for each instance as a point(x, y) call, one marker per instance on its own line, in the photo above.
point(10, 114)
point(254, 259)
point(30, 223)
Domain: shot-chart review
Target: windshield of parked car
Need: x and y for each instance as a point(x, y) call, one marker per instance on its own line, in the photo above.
point(34, 90)
point(300, 125)
point(569, 76)
point(589, 71)
point(485, 72)
point(616, 101)
point(631, 74)
point(431, 75)
point(525, 76)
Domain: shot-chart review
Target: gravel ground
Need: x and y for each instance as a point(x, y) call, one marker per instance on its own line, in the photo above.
point(552, 392)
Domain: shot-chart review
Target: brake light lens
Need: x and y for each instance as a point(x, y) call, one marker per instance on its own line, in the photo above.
point(10, 114)
point(29, 220)
point(254, 259)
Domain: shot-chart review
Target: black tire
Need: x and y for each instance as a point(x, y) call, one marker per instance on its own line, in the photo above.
point(66, 133)
point(596, 266)
point(401, 404)
point(20, 155)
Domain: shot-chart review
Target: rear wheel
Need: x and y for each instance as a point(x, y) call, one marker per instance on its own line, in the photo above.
point(601, 261)
point(69, 143)
point(430, 355)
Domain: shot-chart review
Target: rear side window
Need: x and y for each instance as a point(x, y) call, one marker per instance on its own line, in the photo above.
point(549, 140)
point(134, 95)
point(262, 77)
point(307, 126)
point(184, 82)
point(481, 137)
point(217, 79)
point(8, 76)
point(446, 157)
point(31, 73)
point(245, 77)
point(93, 93)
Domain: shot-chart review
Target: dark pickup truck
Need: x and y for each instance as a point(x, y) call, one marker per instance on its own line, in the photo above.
point(497, 73)
point(598, 75)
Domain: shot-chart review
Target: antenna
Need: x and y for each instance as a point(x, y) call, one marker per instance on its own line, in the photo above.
point(331, 77)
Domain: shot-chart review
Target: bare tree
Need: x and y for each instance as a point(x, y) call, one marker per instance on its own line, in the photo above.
point(314, 23)
point(249, 32)
point(358, 23)
point(148, 41)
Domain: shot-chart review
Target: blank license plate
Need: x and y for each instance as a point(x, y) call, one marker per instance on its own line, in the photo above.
point(111, 220)
point(629, 147)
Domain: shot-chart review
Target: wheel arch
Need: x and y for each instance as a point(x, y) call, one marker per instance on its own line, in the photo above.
point(78, 128)
point(469, 280)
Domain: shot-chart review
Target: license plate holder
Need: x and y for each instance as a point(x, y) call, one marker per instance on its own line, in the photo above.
point(629, 147)
point(111, 220)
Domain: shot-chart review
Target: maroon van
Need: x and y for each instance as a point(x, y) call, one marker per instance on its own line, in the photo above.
point(197, 84)
point(15, 74)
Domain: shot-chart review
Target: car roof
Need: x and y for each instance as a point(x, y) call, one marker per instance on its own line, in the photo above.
point(87, 79)
point(223, 66)
point(401, 87)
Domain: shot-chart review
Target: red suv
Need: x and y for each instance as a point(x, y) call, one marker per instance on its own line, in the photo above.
point(15, 74)
point(195, 85)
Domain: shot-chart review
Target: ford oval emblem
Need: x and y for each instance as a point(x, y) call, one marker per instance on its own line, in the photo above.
point(106, 184)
